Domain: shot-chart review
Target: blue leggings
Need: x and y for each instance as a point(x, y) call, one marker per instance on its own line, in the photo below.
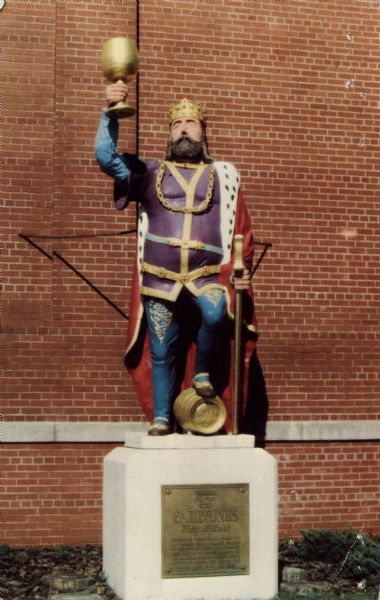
point(164, 323)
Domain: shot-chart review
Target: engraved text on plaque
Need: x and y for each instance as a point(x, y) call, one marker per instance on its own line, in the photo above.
point(205, 530)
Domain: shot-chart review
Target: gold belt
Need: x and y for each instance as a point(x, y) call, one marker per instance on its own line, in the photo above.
point(181, 277)
point(187, 244)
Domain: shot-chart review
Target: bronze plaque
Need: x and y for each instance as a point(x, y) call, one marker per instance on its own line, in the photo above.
point(205, 530)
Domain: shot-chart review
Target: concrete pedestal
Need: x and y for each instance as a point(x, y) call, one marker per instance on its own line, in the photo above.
point(132, 516)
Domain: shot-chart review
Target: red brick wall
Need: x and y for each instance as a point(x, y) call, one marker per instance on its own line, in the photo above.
point(63, 343)
point(330, 485)
point(52, 493)
point(292, 95)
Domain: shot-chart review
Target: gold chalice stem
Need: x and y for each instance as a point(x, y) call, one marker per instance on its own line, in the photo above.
point(121, 109)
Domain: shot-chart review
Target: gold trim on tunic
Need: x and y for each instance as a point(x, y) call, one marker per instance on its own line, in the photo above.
point(182, 277)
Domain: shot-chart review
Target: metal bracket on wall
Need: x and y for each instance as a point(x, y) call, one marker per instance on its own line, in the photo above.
point(31, 239)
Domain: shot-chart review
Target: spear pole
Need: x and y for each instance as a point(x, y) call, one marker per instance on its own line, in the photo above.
point(238, 269)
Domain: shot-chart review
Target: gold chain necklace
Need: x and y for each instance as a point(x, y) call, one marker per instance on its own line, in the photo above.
point(186, 209)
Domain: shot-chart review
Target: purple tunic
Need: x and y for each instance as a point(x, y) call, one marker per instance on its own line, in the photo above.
point(163, 231)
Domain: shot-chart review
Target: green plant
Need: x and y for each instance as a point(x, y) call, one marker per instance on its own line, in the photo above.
point(355, 556)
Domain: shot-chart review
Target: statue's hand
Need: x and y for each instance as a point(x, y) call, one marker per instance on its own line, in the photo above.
point(243, 282)
point(115, 92)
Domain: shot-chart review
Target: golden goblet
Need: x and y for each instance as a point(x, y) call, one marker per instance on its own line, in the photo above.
point(120, 62)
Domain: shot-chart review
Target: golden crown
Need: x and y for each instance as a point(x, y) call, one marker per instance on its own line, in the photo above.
point(186, 108)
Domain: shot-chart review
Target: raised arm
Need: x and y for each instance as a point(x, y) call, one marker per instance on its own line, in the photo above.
point(107, 156)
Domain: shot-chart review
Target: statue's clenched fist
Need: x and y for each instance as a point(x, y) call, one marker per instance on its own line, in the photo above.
point(116, 92)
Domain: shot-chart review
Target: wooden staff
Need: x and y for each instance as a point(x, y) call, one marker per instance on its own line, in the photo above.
point(238, 269)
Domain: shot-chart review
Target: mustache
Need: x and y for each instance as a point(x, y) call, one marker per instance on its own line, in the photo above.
point(184, 138)
point(186, 148)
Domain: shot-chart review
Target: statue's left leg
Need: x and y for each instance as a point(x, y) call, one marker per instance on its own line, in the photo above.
point(213, 307)
point(163, 333)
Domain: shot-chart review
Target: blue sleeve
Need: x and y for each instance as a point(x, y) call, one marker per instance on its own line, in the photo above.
point(107, 156)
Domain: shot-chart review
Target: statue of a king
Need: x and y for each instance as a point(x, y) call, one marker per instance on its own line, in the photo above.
point(190, 207)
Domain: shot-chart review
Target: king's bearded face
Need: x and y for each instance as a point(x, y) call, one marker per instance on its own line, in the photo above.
point(187, 141)
point(186, 149)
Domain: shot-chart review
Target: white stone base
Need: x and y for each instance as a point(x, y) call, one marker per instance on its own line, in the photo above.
point(133, 477)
